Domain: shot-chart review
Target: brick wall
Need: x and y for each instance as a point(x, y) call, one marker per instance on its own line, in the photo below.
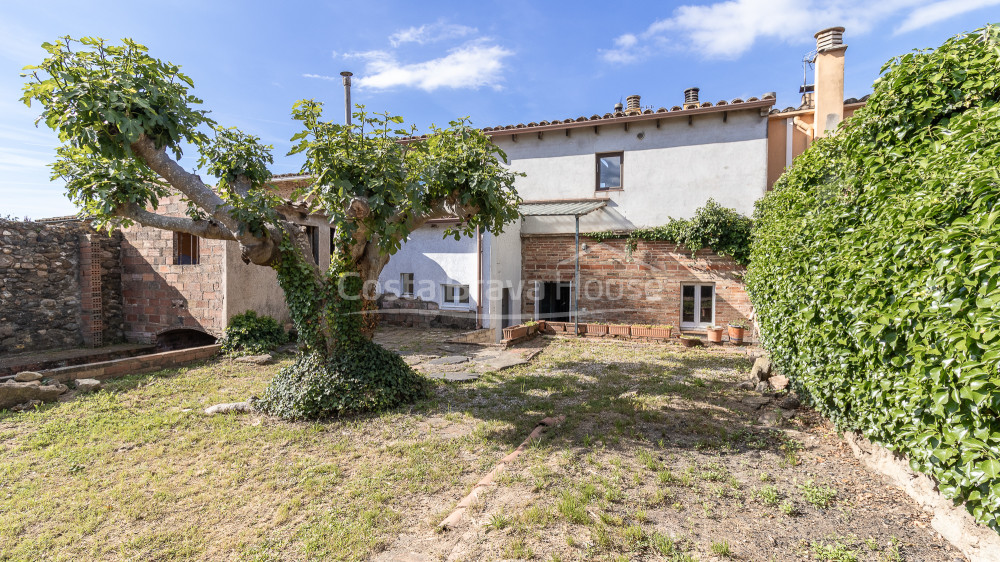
point(161, 296)
point(42, 291)
point(641, 287)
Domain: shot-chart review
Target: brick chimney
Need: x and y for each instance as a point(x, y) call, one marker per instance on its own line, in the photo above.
point(829, 94)
point(691, 98)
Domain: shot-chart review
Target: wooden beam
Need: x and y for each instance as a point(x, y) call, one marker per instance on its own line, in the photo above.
point(725, 117)
point(513, 137)
point(597, 129)
point(657, 123)
point(567, 132)
point(539, 135)
point(626, 126)
point(690, 120)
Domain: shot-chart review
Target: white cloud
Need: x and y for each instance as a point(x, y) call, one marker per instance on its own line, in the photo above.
point(430, 33)
point(473, 65)
point(730, 28)
point(939, 11)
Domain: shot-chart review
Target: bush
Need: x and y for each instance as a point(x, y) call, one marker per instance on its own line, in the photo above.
point(364, 378)
point(875, 268)
point(249, 333)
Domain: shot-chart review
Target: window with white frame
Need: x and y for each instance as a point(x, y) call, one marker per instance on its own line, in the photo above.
point(456, 296)
point(406, 284)
point(697, 306)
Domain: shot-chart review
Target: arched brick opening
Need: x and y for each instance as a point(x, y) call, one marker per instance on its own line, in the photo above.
point(182, 338)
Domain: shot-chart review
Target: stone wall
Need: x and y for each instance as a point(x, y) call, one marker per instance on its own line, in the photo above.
point(639, 287)
point(402, 311)
point(42, 290)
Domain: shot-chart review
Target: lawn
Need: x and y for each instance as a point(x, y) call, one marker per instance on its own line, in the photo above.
point(661, 457)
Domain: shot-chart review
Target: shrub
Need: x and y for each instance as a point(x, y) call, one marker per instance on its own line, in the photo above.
point(364, 378)
point(875, 269)
point(252, 334)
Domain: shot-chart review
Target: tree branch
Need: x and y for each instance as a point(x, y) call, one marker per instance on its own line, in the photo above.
point(202, 229)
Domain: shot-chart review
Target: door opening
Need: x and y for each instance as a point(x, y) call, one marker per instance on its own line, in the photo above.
point(555, 302)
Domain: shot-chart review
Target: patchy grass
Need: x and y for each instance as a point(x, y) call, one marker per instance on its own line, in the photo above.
point(658, 458)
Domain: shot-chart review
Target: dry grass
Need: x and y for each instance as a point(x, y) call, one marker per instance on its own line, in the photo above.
point(658, 459)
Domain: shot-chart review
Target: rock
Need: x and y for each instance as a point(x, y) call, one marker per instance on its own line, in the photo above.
point(29, 405)
point(761, 369)
point(790, 402)
point(763, 387)
point(771, 418)
point(288, 348)
point(87, 385)
point(255, 359)
point(506, 360)
point(448, 360)
point(230, 407)
point(778, 382)
point(460, 377)
point(34, 383)
point(756, 401)
point(13, 393)
point(747, 385)
point(27, 376)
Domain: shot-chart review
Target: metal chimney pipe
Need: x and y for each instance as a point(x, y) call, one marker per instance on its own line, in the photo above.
point(691, 95)
point(347, 96)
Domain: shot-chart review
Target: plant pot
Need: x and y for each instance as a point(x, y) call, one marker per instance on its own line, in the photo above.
point(691, 342)
point(736, 334)
point(556, 326)
point(714, 335)
point(620, 329)
point(597, 329)
point(532, 329)
point(515, 332)
point(582, 328)
point(649, 332)
point(542, 326)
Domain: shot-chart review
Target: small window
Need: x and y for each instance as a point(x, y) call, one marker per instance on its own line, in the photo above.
point(609, 171)
point(456, 295)
point(697, 306)
point(185, 249)
point(406, 284)
point(312, 233)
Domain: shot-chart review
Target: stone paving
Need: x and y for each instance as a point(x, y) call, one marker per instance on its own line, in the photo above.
point(428, 351)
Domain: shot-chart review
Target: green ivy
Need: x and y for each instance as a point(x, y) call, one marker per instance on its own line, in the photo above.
point(723, 230)
point(251, 334)
point(875, 268)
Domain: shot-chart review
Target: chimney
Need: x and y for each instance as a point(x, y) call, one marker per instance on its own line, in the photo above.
point(829, 83)
point(347, 96)
point(619, 107)
point(632, 105)
point(691, 98)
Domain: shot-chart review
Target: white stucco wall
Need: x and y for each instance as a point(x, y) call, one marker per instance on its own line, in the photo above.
point(666, 172)
point(433, 261)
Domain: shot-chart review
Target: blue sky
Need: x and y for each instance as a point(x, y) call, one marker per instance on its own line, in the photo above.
point(498, 62)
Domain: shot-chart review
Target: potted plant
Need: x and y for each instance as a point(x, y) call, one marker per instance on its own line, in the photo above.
point(736, 331)
point(597, 329)
point(620, 329)
point(651, 331)
point(690, 341)
point(714, 334)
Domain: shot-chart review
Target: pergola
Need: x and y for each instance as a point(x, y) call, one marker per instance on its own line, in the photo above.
point(575, 209)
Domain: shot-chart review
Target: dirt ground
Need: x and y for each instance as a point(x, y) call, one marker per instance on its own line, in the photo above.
point(661, 457)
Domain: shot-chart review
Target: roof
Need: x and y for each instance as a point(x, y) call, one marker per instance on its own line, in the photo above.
point(619, 117)
point(574, 208)
point(857, 102)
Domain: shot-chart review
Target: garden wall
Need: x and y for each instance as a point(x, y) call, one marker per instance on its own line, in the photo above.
point(638, 287)
point(416, 313)
point(60, 286)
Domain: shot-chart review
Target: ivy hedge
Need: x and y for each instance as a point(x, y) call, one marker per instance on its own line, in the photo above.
point(248, 333)
point(875, 275)
point(723, 230)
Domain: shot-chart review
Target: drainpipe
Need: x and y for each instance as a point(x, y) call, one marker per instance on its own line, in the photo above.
point(576, 283)
point(479, 278)
point(347, 96)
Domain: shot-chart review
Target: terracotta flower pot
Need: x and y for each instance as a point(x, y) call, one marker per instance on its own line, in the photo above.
point(556, 326)
point(714, 334)
point(651, 332)
point(736, 334)
point(597, 329)
point(620, 330)
point(690, 342)
point(515, 332)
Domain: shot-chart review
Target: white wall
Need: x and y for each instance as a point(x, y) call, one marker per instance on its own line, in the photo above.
point(666, 172)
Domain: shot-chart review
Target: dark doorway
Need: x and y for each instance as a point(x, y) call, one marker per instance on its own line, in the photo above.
point(505, 320)
point(554, 302)
point(182, 338)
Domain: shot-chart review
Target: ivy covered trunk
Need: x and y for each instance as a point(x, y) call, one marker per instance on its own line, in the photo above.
point(340, 370)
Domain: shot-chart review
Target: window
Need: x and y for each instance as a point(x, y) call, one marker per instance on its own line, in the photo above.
point(185, 249)
point(406, 284)
point(697, 306)
point(312, 233)
point(609, 171)
point(456, 295)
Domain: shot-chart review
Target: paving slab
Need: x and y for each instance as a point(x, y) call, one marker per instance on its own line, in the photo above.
point(449, 360)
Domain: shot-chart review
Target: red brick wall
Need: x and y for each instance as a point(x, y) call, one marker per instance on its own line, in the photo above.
point(159, 295)
point(641, 288)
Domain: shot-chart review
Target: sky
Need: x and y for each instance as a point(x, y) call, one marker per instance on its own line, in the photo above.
point(498, 63)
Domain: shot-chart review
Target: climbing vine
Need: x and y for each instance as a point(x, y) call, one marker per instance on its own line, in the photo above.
point(723, 230)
